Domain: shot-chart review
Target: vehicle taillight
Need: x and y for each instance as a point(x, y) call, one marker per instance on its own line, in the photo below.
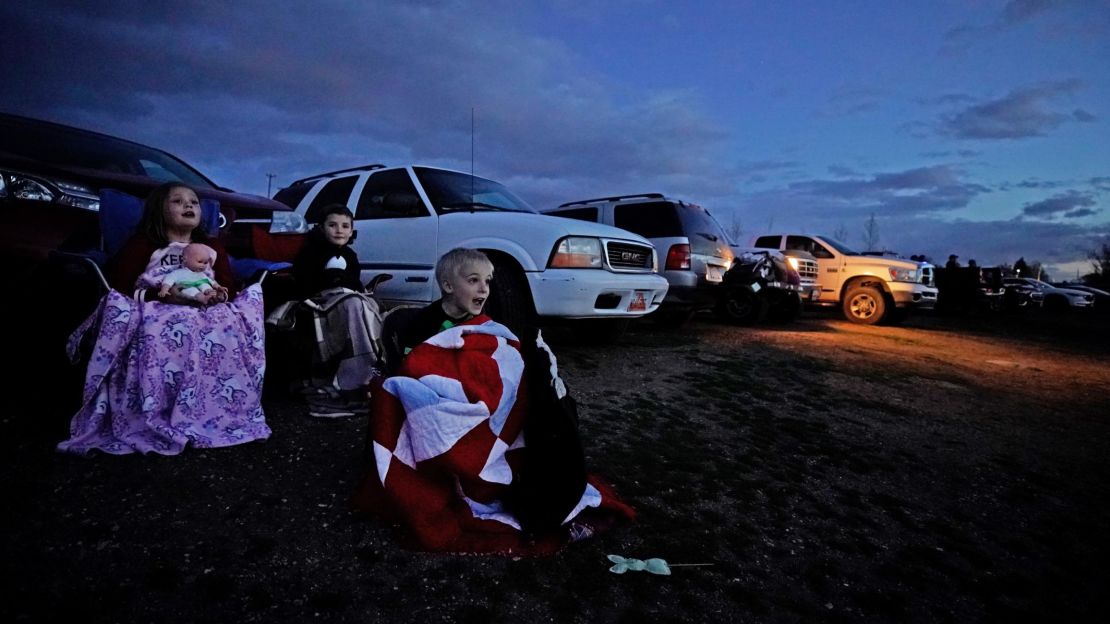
point(678, 258)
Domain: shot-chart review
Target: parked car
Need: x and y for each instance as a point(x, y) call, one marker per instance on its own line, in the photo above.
point(759, 285)
point(51, 176)
point(1051, 297)
point(1102, 298)
point(407, 217)
point(693, 245)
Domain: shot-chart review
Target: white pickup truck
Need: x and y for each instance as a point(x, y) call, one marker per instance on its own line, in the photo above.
point(407, 217)
point(868, 289)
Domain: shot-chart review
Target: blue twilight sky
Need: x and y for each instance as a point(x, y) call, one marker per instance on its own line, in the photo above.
point(976, 127)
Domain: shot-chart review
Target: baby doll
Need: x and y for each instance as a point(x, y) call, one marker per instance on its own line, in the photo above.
point(195, 276)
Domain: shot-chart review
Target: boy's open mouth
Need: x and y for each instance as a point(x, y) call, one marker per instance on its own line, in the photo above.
point(478, 301)
point(189, 214)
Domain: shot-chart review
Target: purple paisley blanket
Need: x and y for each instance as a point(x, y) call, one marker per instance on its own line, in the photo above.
point(164, 376)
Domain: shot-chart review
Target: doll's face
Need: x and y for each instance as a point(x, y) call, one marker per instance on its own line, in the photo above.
point(337, 229)
point(197, 258)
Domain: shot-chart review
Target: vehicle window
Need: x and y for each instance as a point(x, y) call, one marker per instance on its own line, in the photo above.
point(450, 191)
point(805, 243)
point(839, 246)
point(292, 195)
point(582, 214)
point(705, 234)
point(390, 194)
point(336, 191)
point(79, 149)
point(767, 241)
point(649, 219)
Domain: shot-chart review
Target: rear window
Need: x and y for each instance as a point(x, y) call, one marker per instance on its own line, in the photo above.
point(770, 242)
point(705, 234)
point(337, 191)
point(582, 214)
point(292, 195)
point(650, 220)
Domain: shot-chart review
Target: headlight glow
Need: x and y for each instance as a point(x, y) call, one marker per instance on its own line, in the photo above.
point(576, 252)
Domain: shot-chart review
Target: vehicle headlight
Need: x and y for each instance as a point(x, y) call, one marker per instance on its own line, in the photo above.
point(576, 252)
point(793, 262)
point(903, 275)
point(23, 187)
point(28, 188)
point(287, 223)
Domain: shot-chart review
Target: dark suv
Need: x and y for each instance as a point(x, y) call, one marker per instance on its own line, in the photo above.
point(51, 176)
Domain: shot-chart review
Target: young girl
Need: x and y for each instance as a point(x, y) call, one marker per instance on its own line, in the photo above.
point(347, 321)
point(172, 371)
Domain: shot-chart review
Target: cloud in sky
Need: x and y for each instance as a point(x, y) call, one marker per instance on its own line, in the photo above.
point(912, 192)
point(1022, 113)
point(1070, 205)
point(572, 101)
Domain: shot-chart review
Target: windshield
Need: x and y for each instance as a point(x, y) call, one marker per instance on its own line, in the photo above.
point(77, 149)
point(450, 191)
point(839, 246)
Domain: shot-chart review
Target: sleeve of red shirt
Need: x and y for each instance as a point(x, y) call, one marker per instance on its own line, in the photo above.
point(224, 276)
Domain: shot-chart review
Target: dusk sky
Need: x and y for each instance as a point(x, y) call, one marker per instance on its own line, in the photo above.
point(971, 127)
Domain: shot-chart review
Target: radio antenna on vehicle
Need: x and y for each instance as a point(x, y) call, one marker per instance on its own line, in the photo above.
point(471, 154)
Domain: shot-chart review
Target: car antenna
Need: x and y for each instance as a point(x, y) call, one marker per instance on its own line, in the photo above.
point(472, 159)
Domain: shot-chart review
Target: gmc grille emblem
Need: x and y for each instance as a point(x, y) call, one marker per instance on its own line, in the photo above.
point(631, 256)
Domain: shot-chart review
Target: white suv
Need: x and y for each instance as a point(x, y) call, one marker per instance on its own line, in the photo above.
point(697, 249)
point(407, 217)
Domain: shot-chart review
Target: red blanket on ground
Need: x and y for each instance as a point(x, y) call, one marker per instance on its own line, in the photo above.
point(447, 439)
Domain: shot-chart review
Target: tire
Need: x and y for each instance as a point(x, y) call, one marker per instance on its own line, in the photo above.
point(599, 331)
point(741, 306)
point(510, 300)
point(865, 305)
point(786, 310)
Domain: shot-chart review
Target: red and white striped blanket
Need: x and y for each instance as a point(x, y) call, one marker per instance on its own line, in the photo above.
point(447, 439)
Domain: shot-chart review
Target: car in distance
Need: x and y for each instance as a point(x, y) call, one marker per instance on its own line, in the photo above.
point(1052, 297)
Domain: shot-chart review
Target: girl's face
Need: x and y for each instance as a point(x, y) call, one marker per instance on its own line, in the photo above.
point(181, 210)
point(337, 229)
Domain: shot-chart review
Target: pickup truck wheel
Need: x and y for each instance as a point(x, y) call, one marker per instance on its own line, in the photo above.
point(741, 306)
point(510, 300)
point(865, 305)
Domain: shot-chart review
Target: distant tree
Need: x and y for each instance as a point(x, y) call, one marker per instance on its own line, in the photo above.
point(734, 229)
point(840, 233)
point(1100, 262)
point(1034, 269)
point(871, 234)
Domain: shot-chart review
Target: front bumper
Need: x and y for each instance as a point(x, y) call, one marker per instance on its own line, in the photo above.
point(594, 293)
point(913, 295)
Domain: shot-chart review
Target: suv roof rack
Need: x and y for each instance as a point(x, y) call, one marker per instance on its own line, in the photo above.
point(338, 171)
point(614, 198)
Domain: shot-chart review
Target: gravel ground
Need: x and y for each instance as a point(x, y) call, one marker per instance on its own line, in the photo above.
point(947, 470)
